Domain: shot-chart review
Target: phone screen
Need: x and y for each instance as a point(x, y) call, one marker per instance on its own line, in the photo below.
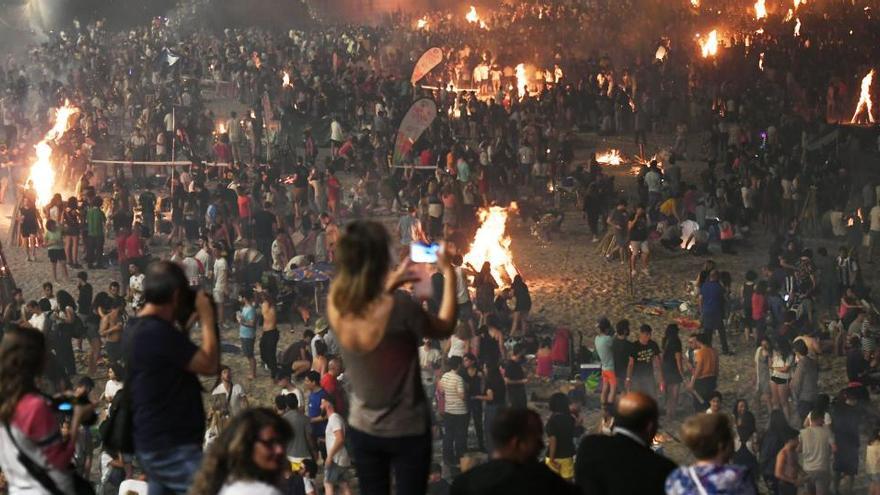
point(65, 407)
point(423, 253)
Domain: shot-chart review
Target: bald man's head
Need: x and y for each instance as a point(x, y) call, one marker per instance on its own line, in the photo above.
point(638, 413)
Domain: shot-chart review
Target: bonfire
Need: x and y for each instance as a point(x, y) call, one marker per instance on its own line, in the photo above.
point(610, 157)
point(492, 244)
point(865, 105)
point(42, 174)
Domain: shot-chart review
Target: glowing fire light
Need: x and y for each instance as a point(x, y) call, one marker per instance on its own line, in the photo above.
point(422, 23)
point(788, 15)
point(521, 80)
point(797, 27)
point(865, 103)
point(695, 4)
point(285, 80)
point(474, 18)
point(761, 61)
point(492, 244)
point(42, 174)
point(760, 10)
point(610, 157)
point(709, 47)
point(661, 53)
point(221, 128)
point(798, 3)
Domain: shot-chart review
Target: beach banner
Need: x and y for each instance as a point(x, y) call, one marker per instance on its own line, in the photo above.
point(414, 123)
point(427, 61)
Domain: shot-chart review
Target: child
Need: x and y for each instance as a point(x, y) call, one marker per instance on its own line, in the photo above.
point(748, 289)
point(872, 463)
point(55, 248)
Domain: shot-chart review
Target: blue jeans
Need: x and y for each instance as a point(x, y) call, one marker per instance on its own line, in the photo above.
point(171, 471)
point(376, 457)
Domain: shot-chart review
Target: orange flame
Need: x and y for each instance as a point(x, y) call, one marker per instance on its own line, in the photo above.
point(422, 23)
point(798, 3)
point(492, 243)
point(42, 174)
point(709, 47)
point(788, 15)
point(760, 10)
point(285, 80)
point(474, 18)
point(865, 103)
point(797, 27)
point(761, 61)
point(610, 157)
point(521, 80)
point(695, 4)
point(221, 128)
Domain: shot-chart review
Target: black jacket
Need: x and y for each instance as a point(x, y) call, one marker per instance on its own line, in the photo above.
point(617, 465)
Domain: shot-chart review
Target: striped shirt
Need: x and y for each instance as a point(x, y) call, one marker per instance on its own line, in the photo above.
point(452, 385)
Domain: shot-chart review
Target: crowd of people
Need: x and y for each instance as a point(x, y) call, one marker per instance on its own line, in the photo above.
point(288, 140)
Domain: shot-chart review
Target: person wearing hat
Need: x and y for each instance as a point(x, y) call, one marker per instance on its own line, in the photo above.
point(321, 327)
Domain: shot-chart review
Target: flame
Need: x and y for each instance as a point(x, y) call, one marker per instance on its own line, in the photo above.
point(557, 73)
point(492, 244)
point(788, 15)
point(472, 15)
point(695, 4)
point(710, 46)
point(610, 157)
point(422, 23)
point(797, 27)
point(474, 18)
point(798, 3)
point(760, 10)
point(257, 62)
point(42, 174)
point(521, 80)
point(865, 103)
point(221, 128)
point(285, 80)
point(761, 61)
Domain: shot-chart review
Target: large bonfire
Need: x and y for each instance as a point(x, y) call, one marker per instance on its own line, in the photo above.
point(492, 244)
point(42, 174)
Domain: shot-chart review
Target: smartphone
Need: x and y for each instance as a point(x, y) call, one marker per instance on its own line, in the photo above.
point(423, 253)
point(65, 406)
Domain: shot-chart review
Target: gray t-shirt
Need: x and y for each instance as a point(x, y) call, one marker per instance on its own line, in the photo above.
point(387, 398)
point(816, 449)
point(299, 446)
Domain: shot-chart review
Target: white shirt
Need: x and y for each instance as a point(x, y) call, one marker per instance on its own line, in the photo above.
point(336, 131)
point(234, 399)
point(457, 347)
point(875, 218)
point(334, 424)
point(461, 290)
point(428, 360)
point(652, 181)
point(169, 122)
point(38, 321)
point(452, 385)
point(111, 388)
point(136, 287)
point(688, 227)
point(128, 487)
point(204, 258)
point(191, 269)
point(221, 275)
point(246, 488)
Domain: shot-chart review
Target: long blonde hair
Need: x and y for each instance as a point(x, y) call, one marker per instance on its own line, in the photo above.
point(362, 263)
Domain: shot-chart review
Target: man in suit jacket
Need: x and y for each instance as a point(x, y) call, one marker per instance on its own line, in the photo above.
point(623, 463)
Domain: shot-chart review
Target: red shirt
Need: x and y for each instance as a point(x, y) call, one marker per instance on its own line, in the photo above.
point(244, 207)
point(331, 385)
point(133, 247)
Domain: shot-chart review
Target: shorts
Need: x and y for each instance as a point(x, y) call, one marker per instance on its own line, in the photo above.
point(336, 474)
point(56, 255)
point(247, 347)
point(564, 467)
point(779, 381)
point(219, 296)
point(639, 247)
point(609, 377)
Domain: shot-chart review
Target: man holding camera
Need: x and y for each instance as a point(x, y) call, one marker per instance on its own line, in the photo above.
point(169, 419)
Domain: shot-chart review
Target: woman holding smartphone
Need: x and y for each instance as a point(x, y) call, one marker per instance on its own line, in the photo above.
point(379, 330)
